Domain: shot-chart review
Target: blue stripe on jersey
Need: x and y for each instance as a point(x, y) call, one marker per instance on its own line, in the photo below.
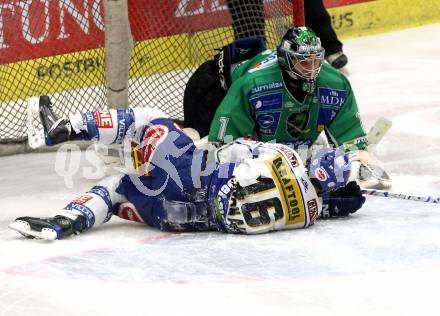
point(104, 194)
point(84, 210)
point(91, 126)
point(125, 119)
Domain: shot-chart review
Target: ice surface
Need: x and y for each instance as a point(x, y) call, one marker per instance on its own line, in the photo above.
point(383, 260)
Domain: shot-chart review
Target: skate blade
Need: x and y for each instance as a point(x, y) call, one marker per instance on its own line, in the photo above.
point(36, 138)
point(25, 229)
point(34, 105)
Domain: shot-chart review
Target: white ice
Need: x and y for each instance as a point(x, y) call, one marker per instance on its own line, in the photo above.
point(383, 260)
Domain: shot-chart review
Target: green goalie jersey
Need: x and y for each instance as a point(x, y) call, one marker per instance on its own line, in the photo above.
point(258, 104)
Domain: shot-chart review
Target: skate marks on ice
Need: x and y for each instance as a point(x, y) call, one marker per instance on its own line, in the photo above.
point(370, 241)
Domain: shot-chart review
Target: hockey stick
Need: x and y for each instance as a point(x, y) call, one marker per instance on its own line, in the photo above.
point(429, 199)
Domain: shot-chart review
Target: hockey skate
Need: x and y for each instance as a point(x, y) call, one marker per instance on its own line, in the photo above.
point(55, 130)
point(51, 228)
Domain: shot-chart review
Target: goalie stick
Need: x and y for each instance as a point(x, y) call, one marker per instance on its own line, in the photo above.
point(402, 196)
point(378, 130)
point(374, 135)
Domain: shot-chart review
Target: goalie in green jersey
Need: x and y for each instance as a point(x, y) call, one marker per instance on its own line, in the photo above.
point(290, 95)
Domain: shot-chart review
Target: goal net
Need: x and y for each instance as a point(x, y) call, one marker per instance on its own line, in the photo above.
point(66, 48)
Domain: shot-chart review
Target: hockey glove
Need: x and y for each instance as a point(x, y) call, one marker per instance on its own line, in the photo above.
point(342, 202)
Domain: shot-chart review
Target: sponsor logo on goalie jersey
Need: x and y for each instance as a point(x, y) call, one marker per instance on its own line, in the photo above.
point(332, 98)
point(267, 62)
point(267, 102)
point(268, 123)
point(266, 87)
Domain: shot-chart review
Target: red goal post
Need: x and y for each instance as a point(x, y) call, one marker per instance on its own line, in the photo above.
point(298, 13)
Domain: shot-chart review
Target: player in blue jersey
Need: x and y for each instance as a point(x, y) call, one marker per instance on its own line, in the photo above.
point(250, 187)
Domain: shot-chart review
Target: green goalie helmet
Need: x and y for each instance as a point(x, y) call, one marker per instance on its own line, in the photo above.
point(300, 53)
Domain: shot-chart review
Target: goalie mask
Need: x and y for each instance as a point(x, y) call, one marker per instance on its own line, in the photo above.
point(300, 55)
point(271, 192)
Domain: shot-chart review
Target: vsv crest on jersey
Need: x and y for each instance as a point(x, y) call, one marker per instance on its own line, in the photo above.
point(296, 123)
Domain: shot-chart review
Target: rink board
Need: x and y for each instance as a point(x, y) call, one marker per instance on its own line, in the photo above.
point(378, 16)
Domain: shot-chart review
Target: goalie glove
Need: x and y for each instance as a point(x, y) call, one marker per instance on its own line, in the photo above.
point(368, 171)
point(342, 202)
